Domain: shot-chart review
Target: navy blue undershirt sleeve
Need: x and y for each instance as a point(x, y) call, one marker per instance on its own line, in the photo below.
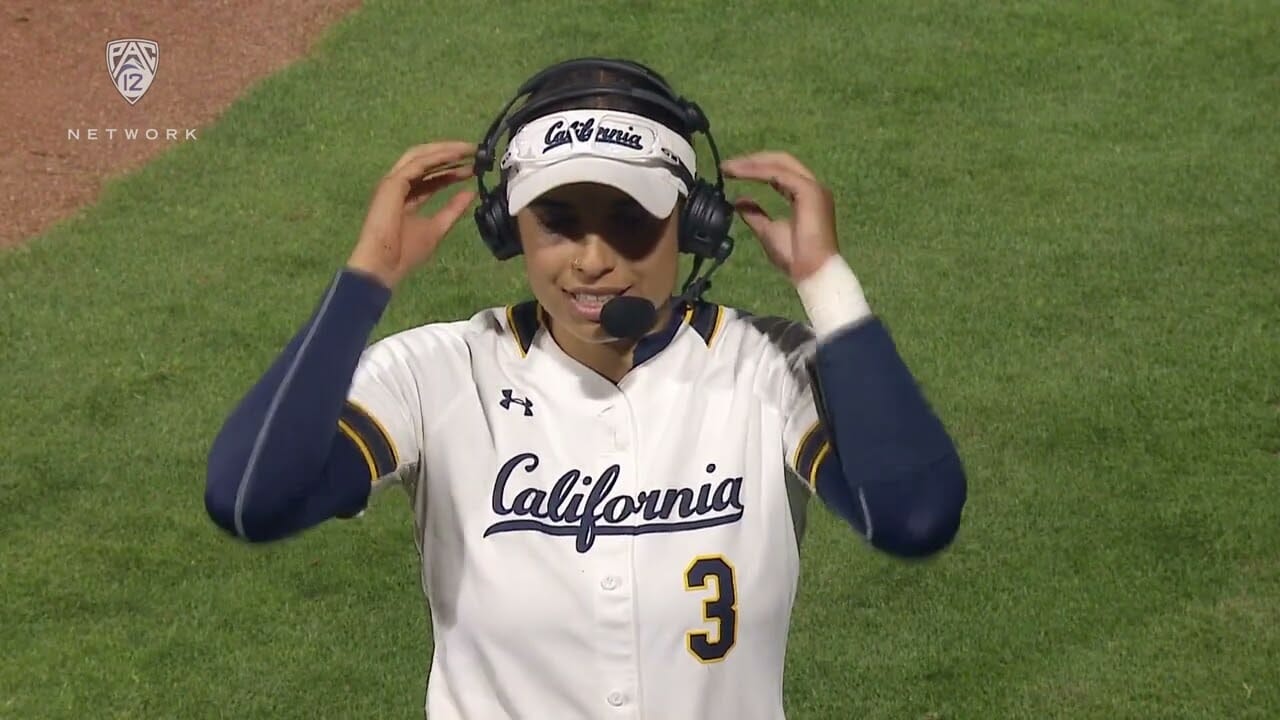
point(898, 478)
point(279, 464)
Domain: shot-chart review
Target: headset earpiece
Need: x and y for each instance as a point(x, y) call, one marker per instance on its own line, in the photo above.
point(705, 222)
point(497, 228)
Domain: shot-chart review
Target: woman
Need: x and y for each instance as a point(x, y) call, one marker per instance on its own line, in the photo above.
point(609, 481)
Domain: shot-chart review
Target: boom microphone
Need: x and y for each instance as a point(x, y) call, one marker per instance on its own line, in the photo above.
point(628, 318)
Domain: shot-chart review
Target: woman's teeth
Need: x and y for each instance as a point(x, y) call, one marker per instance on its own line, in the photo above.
point(591, 299)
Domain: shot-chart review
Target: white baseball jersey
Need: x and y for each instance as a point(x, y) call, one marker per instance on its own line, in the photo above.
point(592, 550)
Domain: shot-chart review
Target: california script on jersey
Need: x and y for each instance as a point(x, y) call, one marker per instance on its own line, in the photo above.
point(592, 550)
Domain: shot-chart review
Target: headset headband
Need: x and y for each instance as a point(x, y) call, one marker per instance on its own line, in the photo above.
point(687, 112)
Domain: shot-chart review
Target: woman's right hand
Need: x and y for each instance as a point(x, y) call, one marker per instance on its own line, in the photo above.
point(395, 239)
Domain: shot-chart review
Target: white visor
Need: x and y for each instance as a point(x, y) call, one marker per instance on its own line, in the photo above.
point(635, 154)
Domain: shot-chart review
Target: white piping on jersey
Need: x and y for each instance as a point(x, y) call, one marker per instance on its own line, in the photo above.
point(866, 514)
point(243, 490)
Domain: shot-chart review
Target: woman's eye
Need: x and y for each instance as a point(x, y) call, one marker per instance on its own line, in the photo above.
point(632, 214)
point(556, 224)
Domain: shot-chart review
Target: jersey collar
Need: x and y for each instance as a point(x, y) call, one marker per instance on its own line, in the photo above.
point(526, 320)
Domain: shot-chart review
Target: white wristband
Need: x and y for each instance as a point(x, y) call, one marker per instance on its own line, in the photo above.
point(832, 297)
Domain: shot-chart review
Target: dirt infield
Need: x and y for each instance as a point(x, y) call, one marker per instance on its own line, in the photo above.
point(65, 126)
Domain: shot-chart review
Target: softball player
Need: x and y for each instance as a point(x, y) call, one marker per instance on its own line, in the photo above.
point(610, 479)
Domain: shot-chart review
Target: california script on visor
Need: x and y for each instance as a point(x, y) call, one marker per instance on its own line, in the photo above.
point(612, 134)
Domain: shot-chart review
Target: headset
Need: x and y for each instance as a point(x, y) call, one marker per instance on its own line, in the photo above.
point(706, 217)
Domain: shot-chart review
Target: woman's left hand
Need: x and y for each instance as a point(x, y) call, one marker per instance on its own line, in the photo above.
point(800, 244)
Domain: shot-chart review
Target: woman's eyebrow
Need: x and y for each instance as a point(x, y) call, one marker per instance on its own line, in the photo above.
point(550, 204)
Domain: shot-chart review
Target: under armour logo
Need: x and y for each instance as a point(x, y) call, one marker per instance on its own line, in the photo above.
point(508, 400)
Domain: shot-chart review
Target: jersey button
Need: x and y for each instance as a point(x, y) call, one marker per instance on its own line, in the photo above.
point(616, 698)
point(611, 582)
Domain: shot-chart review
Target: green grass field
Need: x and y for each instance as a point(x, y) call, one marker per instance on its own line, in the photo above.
point(1068, 213)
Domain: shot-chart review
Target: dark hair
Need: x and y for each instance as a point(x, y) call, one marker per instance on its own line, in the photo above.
point(582, 77)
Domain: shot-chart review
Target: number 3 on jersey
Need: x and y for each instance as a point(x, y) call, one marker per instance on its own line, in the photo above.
point(722, 607)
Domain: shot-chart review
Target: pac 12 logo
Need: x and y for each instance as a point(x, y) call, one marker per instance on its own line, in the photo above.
point(132, 63)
